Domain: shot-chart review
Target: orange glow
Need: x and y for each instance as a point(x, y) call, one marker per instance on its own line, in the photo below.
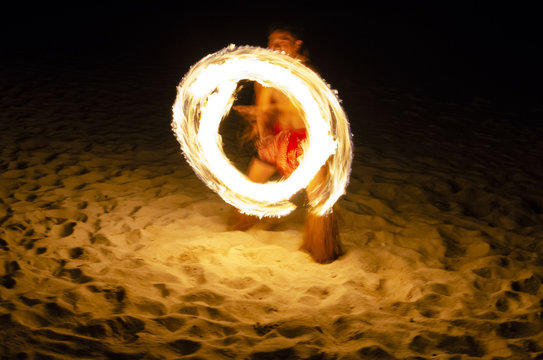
point(205, 96)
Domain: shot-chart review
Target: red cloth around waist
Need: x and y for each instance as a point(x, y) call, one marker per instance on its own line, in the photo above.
point(283, 149)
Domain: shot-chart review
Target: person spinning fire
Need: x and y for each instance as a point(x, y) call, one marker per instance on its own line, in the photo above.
point(280, 132)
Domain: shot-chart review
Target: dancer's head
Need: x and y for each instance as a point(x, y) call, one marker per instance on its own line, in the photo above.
point(285, 38)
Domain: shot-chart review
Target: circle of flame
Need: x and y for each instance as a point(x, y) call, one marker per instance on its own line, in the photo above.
point(206, 94)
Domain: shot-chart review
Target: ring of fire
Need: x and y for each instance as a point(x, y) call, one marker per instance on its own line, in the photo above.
point(206, 94)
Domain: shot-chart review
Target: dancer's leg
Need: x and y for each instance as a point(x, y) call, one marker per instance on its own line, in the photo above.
point(260, 172)
point(321, 234)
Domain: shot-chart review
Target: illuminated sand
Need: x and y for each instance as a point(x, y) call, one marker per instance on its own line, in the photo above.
point(113, 249)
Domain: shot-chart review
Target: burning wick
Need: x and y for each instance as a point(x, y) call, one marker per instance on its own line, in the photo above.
point(206, 94)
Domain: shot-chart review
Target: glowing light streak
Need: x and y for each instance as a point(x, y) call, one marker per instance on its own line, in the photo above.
point(206, 94)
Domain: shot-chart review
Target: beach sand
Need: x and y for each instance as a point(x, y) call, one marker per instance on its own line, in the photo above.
point(113, 249)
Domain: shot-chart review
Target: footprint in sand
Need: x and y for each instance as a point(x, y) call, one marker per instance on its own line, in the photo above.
point(260, 292)
point(149, 306)
point(429, 342)
point(530, 285)
point(196, 273)
point(10, 269)
point(215, 313)
point(53, 310)
point(185, 347)
point(205, 296)
point(66, 229)
point(519, 329)
point(99, 239)
point(430, 305)
point(122, 329)
point(296, 329)
point(75, 275)
point(314, 295)
point(5, 212)
point(164, 291)
point(76, 253)
point(171, 322)
point(239, 283)
point(114, 295)
point(4, 245)
point(203, 328)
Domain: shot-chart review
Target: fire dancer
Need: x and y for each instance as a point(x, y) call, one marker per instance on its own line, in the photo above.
point(279, 133)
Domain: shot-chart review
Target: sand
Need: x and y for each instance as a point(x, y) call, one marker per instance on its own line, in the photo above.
point(113, 249)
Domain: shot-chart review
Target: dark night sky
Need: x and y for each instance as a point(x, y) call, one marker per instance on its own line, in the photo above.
point(453, 48)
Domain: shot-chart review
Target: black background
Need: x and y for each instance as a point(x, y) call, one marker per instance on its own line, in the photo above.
point(450, 49)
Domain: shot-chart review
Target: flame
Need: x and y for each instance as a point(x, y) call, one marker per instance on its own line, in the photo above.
point(206, 94)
